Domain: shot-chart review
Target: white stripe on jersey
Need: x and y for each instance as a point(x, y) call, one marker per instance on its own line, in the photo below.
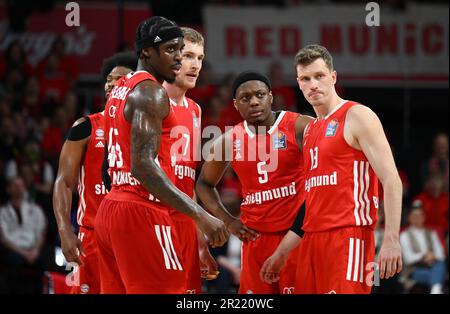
point(350, 259)
point(362, 262)
point(366, 197)
point(361, 200)
point(355, 263)
point(361, 180)
point(169, 236)
point(355, 192)
point(158, 235)
point(81, 190)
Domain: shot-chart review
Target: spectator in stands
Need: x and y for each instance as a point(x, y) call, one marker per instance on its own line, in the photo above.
point(434, 200)
point(423, 254)
point(15, 59)
point(53, 136)
point(284, 95)
point(22, 234)
point(438, 162)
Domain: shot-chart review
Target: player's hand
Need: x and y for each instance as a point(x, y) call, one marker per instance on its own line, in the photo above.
point(208, 266)
point(237, 228)
point(213, 228)
point(71, 247)
point(390, 258)
point(270, 271)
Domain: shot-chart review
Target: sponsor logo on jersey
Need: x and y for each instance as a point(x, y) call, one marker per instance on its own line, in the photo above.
point(100, 189)
point(269, 195)
point(99, 144)
point(182, 171)
point(279, 140)
point(195, 120)
point(99, 133)
point(323, 180)
point(332, 128)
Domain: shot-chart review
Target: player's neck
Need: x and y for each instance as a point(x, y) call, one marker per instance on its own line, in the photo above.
point(263, 127)
point(141, 66)
point(327, 107)
point(175, 93)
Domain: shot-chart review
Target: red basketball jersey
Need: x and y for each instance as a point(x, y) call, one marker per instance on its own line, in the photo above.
point(341, 186)
point(118, 132)
point(90, 184)
point(185, 151)
point(270, 169)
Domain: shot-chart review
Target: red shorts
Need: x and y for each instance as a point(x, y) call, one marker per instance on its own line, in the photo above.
point(188, 246)
point(138, 247)
point(87, 276)
point(254, 254)
point(337, 261)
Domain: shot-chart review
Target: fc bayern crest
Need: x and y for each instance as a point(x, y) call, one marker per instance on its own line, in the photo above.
point(99, 133)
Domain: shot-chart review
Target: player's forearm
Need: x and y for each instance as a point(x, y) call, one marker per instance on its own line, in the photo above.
point(62, 203)
point(290, 241)
point(392, 187)
point(153, 178)
point(211, 199)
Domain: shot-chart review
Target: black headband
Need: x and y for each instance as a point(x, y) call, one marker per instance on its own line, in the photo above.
point(160, 37)
point(249, 76)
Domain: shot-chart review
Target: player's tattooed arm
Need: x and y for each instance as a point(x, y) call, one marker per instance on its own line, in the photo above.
point(147, 106)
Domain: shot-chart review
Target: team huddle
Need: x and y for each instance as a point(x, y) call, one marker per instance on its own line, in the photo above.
point(309, 185)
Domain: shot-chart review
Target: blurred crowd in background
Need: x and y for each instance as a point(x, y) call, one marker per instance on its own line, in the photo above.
point(38, 104)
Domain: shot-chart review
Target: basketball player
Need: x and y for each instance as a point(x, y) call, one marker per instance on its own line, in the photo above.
point(188, 116)
point(345, 151)
point(81, 156)
point(138, 247)
point(272, 184)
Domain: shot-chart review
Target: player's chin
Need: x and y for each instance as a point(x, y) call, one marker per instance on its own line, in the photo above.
point(170, 79)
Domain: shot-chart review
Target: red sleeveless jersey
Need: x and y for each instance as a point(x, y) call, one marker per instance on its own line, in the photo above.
point(270, 169)
point(341, 186)
point(185, 152)
point(118, 133)
point(90, 184)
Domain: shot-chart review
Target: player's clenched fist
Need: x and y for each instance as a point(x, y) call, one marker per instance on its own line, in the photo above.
point(213, 228)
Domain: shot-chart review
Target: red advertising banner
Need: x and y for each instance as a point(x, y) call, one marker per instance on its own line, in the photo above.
point(103, 28)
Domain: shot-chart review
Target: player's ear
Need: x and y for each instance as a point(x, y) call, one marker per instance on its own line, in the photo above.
point(235, 105)
point(271, 97)
point(334, 76)
point(146, 53)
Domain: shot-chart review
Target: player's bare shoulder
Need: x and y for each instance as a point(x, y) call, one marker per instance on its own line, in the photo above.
point(300, 125)
point(147, 96)
point(360, 122)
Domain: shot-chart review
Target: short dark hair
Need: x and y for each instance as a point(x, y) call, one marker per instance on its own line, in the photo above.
point(126, 59)
point(249, 76)
point(311, 53)
point(154, 31)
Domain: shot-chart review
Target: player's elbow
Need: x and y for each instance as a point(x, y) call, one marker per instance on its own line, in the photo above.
point(141, 168)
point(393, 183)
